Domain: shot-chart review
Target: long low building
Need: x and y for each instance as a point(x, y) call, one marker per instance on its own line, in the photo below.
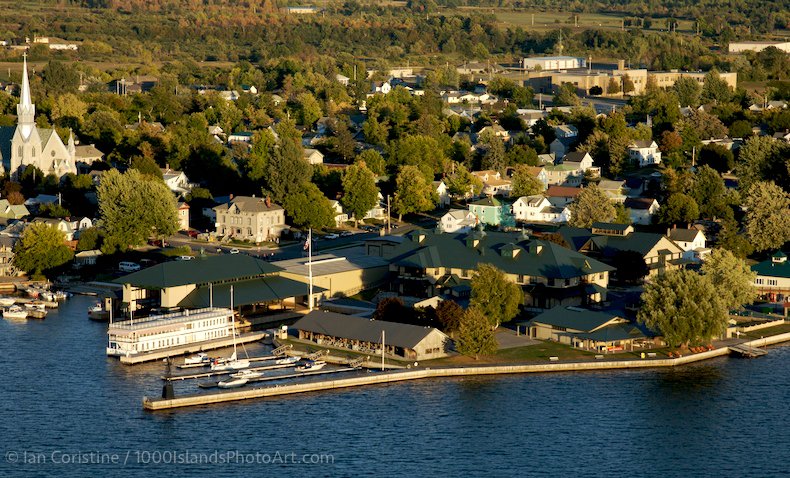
point(341, 275)
point(357, 334)
point(773, 277)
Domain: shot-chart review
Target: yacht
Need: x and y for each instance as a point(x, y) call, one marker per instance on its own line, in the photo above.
point(231, 363)
point(286, 361)
point(15, 312)
point(7, 301)
point(248, 374)
point(199, 359)
point(311, 365)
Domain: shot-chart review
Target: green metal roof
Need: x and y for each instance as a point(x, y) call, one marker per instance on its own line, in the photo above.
point(253, 291)
point(200, 270)
point(454, 251)
point(641, 242)
point(490, 201)
point(770, 268)
point(612, 333)
point(575, 318)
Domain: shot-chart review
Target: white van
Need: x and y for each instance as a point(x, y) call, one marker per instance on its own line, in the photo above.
point(128, 266)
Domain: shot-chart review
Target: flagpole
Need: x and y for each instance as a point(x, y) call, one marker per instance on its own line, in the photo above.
point(310, 268)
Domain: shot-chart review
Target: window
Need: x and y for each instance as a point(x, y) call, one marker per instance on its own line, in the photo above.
point(33, 152)
point(521, 278)
point(771, 281)
point(758, 281)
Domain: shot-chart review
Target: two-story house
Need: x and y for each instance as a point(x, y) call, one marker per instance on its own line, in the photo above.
point(457, 220)
point(641, 210)
point(493, 183)
point(176, 181)
point(251, 219)
point(443, 193)
point(340, 215)
point(644, 153)
point(492, 211)
point(538, 209)
point(773, 277)
point(692, 241)
point(571, 169)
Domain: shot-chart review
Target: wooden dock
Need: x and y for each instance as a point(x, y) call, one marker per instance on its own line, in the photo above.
point(284, 377)
point(213, 373)
point(747, 351)
point(192, 348)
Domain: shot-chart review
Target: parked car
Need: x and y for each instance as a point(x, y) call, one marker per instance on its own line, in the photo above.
point(233, 251)
point(184, 258)
point(346, 234)
point(331, 236)
point(192, 234)
point(158, 242)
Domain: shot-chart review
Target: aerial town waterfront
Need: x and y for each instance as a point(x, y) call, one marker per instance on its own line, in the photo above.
point(413, 238)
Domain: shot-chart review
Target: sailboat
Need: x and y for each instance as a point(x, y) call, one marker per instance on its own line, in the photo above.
point(233, 362)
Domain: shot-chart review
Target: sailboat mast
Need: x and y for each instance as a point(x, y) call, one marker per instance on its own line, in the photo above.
point(310, 268)
point(382, 350)
point(233, 322)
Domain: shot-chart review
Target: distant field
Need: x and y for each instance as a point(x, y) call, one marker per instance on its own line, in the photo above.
point(550, 20)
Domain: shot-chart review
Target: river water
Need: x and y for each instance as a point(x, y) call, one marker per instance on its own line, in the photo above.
point(65, 406)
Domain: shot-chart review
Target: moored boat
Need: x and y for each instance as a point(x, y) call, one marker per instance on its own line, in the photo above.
point(15, 312)
point(36, 313)
point(248, 374)
point(232, 363)
point(7, 301)
point(286, 361)
point(200, 358)
point(233, 383)
point(311, 366)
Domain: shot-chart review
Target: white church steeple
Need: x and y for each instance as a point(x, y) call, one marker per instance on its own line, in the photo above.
point(25, 110)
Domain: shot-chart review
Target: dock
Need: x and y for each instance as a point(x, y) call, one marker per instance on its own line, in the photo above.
point(192, 348)
point(213, 373)
point(747, 351)
point(284, 377)
point(373, 378)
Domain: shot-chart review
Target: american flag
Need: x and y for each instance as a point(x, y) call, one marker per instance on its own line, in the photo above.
point(307, 242)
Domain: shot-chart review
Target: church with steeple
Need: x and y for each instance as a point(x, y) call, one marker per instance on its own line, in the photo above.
point(26, 144)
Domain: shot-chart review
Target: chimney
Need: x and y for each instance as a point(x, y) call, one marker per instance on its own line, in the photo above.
point(621, 64)
point(268, 201)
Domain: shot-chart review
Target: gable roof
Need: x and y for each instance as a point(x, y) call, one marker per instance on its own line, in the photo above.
point(454, 251)
point(366, 330)
point(563, 191)
point(769, 268)
point(641, 242)
point(575, 157)
point(642, 144)
point(639, 203)
point(200, 270)
point(490, 201)
point(576, 318)
point(684, 235)
point(248, 204)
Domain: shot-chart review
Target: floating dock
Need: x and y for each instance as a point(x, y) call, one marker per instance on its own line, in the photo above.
point(747, 351)
point(192, 348)
point(405, 375)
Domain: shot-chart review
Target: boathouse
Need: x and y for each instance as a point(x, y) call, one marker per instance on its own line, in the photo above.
point(401, 341)
point(588, 329)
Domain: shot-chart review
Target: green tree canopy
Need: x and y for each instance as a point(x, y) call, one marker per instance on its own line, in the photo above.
point(679, 208)
point(133, 207)
point(524, 183)
point(462, 183)
point(373, 160)
point(475, 336)
point(412, 192)
point(449, 314)
point(360, 193)
point(684, 307)
point(767, 215)
point(40, 248)
point(494, 295)
point(307, 206)
point(147, 166)
point(591, 205)
point(566, 95)
point(287, 170)
point(731, 276)
point(688, 91)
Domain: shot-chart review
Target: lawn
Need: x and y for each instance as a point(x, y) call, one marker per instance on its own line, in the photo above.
point(776, 330)
point(542, 352)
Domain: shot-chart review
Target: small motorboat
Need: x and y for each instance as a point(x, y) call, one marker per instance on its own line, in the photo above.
point(248, 374)
point(233, 383)
point(61, 295)
point(47, 296)
point(286, 361)
point(15, 312)
point(37, 313)
point(7, 301)
point(35, 305)
point(311, 366)
point(232, 363)
point(200, 358)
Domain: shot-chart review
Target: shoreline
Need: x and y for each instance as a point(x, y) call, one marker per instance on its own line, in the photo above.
point(154, 404)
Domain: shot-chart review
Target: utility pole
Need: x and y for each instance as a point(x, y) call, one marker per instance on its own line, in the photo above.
point(389, 215)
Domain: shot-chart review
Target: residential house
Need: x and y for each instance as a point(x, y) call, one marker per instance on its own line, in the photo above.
point(641, 210)
point(425, 263)
point(493, 183)
point(86, 258)
point(644, 153)
point(383, 87)
point(570, 170)
point(539, 209)
point(313, 156)
point(79, 224)
point(606, 240)
point(492, 211)
point(692, 241)
point(240, 137)
point(12, 211)
point(566, 131)
point(251, 219)
point(176, 181)
point(773, 278)
point(561, 146)
point(85, 156)
point(495, 129)
point(342, 79)
point(613, 189)
point(183, 216)
point(561, 196)
point(60, 224)
point(457, 220)
point(782, 136)
point(363, 335)
point(587, 329)
point(442, 192)
point(539, 173)
point(530, 117)
point(340, 215)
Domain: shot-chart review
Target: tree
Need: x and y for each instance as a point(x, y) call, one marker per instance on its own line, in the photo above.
point(60, 78)
point(360, 193)
point(412, 192)
point(524, 183)
point(767, 215)
point(134, 207)
point(53, 210)
point(392, 309)
point(613, 87)
point(622, 214)
point(688, 91)
point(89, 240)
point(714, 88)
point(40, 248)
point(475, 336)
point(710, 193)
point(731, 276)
point(522, 154)
point(309, 109)
point(566, 95)
point(679, 208)
point(630, 265)
point(717, 157)
point(307, 206)
point(343, 143)
point(147, 166)
point(591, 205)
point(628, 84)
point(462, 183)
point(762, 158)
point(684, 308)
point(287, 170)
point(495, 295)
point(450, 315)
point(372, 160)
point(254, 165)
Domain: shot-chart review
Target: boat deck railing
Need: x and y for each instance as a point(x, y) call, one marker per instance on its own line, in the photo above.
point(172, 318)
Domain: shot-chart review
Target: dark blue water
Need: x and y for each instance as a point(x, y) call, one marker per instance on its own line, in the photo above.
point(62, 400)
